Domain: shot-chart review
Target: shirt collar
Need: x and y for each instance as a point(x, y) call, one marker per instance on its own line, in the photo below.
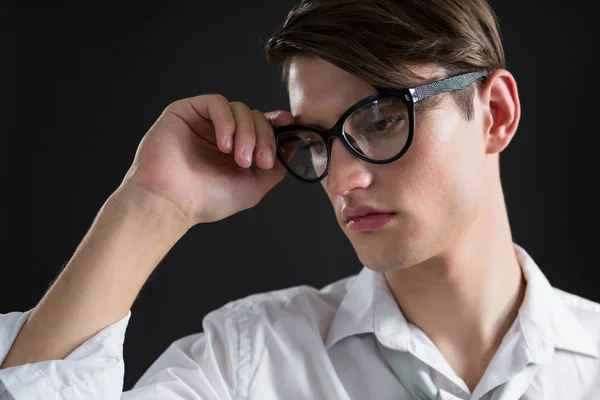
point(544, 315)
point(546, 322)
point(355, 313)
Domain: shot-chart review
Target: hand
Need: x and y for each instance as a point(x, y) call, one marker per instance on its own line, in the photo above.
point(198, 153)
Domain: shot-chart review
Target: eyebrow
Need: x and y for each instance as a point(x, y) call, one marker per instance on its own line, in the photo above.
point(337, 118)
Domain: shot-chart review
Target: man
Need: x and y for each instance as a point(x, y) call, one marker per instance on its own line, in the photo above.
point(400, 110)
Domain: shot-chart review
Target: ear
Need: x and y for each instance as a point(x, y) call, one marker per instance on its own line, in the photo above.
point(500, 99)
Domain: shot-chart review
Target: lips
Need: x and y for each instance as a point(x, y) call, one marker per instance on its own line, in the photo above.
point(363, 218)
point(360, 211)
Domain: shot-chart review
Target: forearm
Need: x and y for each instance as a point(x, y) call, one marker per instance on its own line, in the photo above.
point(129, 237)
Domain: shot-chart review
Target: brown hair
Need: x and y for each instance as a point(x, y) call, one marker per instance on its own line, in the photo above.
point(377, 40)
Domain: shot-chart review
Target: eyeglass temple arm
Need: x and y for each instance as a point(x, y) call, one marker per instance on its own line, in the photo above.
point(450, 84)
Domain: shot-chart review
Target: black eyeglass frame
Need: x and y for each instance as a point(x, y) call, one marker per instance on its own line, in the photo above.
point(410, 97)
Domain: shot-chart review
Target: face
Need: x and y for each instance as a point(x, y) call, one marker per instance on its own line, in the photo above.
point(416, 206)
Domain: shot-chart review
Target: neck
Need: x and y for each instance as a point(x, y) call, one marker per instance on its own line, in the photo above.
point(466, 297)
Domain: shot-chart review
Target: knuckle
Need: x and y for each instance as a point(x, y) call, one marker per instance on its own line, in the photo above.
point(217, 97)
point(261, 122)
point(239, 106)
point(177, 104)
point(258, 114)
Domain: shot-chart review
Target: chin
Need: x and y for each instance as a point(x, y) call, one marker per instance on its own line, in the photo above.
point(386, 258)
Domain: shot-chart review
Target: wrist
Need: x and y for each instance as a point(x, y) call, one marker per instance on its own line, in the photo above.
point(140, 203)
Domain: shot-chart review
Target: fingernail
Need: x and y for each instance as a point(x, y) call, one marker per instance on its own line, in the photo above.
point(247, 153)
point(267, 154)
point(229, 142)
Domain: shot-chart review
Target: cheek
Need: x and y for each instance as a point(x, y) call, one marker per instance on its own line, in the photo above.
point(465, 162)
point(440, 173)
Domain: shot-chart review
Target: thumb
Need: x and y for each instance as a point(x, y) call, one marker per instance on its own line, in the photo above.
point(279, 118)
point(267, 178)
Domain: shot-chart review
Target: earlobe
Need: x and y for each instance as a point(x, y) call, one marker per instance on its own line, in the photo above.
point(500, 94)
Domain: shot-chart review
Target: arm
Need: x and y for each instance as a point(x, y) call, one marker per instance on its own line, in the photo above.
point(128, 238)
point(186, 171)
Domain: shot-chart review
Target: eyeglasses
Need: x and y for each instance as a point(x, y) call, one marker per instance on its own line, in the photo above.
point(377, 129)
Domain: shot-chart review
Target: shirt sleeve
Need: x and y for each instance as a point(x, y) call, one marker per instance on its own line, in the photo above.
point(94, 370)
point(211, 365)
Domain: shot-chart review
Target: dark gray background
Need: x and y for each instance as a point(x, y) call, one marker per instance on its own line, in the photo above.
point(83, 83)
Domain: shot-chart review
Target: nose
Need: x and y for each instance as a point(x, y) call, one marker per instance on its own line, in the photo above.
point(346, 171)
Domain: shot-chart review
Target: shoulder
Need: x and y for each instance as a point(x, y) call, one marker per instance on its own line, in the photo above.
point(296, 307)
point(279, 324)
point(586, 311)
point(303, 302)
point(579, 305)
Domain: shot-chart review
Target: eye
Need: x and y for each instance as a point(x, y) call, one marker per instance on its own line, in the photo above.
point(383, 125)
point(314, 144)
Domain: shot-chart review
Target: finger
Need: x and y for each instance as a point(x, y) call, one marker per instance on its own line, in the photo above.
point(279, 118)
point(214, 107)
point(264, 151)
point(268, 178)
point(244, 138)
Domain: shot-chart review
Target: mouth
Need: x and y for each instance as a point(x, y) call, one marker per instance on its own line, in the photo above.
point(366, 218)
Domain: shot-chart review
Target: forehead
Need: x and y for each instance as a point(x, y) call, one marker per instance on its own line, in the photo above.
point(320, 92)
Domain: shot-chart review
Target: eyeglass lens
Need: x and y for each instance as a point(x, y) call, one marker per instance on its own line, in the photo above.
point(378, 130)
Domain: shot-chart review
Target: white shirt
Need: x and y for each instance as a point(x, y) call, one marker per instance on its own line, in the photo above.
point(305, 343)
